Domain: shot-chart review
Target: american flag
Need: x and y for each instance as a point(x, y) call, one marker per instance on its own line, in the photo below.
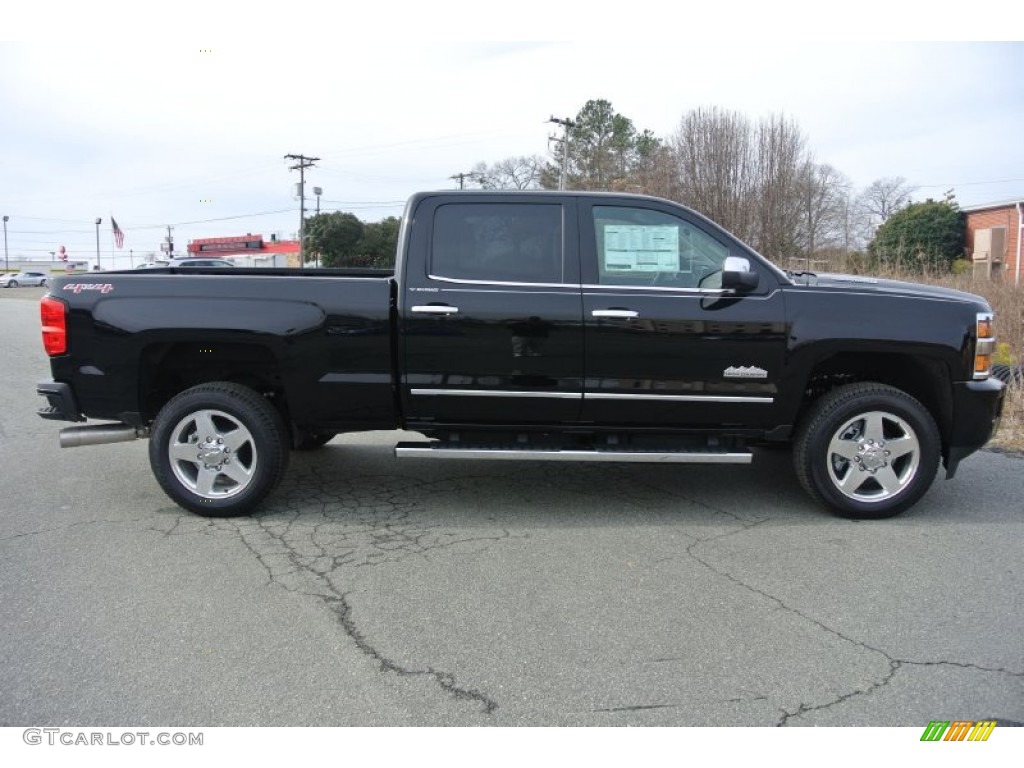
point(118, 234)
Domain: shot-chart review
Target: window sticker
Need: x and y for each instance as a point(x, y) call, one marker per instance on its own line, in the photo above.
point(641, 248)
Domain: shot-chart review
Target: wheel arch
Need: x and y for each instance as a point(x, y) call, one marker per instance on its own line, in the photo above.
point(167, 369)
point(924, 377)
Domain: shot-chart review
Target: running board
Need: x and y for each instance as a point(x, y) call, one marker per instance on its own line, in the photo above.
point(426, 451)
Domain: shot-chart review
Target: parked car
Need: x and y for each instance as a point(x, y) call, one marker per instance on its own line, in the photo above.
point(25, 278)
point(198, 262)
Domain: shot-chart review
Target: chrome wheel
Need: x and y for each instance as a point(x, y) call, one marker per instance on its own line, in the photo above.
point(873, 457)
point(212, 454)
point(867, 450)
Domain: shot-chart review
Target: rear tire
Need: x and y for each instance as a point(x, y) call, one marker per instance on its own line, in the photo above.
point(12, 284)
point(218, 449)
point(868, 451)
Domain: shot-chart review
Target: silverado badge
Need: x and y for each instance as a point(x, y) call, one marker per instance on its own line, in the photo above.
point(745, 372)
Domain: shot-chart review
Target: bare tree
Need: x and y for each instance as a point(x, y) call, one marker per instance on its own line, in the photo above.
point(714, 159)
point(653, 172)
point(883, 197)
point(856, 225)
point(753, 179)
point(781, 156)
point(823, 194)
point(520, 172)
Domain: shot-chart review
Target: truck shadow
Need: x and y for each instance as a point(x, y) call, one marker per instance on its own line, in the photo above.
point(351, 482)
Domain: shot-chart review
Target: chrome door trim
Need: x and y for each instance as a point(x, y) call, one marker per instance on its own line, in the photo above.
point(495, 393)
point(589, 395)
point(679, 398)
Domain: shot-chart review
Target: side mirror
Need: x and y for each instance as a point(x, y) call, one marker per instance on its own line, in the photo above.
point(737, 274)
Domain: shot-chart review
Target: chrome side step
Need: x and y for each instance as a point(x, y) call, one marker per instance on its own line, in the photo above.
point(426, 451)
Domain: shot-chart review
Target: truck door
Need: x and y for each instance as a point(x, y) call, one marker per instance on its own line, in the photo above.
point(491, 318)
point(665, 346)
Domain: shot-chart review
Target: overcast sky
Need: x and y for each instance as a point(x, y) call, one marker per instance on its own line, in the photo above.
point(172, 134)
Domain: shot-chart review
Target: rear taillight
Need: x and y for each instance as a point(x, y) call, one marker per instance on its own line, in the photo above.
point(55, 330)
point(984, 346)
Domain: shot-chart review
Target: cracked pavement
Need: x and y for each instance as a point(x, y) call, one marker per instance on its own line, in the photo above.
point(371, 591)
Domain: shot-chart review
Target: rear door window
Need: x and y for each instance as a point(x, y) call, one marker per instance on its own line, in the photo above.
point(498, 242)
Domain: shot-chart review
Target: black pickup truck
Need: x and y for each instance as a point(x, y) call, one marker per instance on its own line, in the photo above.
point(540, 325)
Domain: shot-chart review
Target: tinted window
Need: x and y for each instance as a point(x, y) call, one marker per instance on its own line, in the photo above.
point(637, 246)
point(498, 242)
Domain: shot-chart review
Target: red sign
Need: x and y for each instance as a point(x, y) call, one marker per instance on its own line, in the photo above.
point(238, 243)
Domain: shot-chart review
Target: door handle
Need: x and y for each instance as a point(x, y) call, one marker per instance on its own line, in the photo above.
point(620, 313)
point(435, 309)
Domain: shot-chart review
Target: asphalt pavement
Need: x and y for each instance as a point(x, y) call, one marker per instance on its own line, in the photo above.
point(376, 591)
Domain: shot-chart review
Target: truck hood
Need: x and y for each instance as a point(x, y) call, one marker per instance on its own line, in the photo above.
point(862, 284)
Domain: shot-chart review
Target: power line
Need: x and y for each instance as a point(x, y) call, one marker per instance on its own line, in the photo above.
point(146, 226)
point(968, 183)
point(210, 221)
point(365, 202)
point(430, 141)
point(51, 231)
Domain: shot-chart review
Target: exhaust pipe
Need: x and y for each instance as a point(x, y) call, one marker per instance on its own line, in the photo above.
point(99, 434)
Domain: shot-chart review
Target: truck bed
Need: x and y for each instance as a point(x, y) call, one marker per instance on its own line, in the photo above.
point(320, 338)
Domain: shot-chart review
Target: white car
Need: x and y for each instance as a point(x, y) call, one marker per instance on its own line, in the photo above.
point(24, 278)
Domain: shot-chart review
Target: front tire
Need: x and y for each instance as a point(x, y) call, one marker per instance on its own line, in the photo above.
point(868, 451)
point(218, 449)
point(12, 284)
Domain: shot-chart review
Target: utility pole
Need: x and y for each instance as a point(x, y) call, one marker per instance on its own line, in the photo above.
point(7, 267)
point(461, 178)
point(566, 124)
point(98, 222)
point(301, 166)
point(170, 243)
point(317, 191)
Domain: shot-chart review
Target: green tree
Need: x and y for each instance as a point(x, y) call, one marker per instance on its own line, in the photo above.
point(605, 151)
point(335, 237)
point(378, 244)
point(921, 234)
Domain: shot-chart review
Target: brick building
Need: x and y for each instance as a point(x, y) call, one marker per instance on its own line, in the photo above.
point(994, 235)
